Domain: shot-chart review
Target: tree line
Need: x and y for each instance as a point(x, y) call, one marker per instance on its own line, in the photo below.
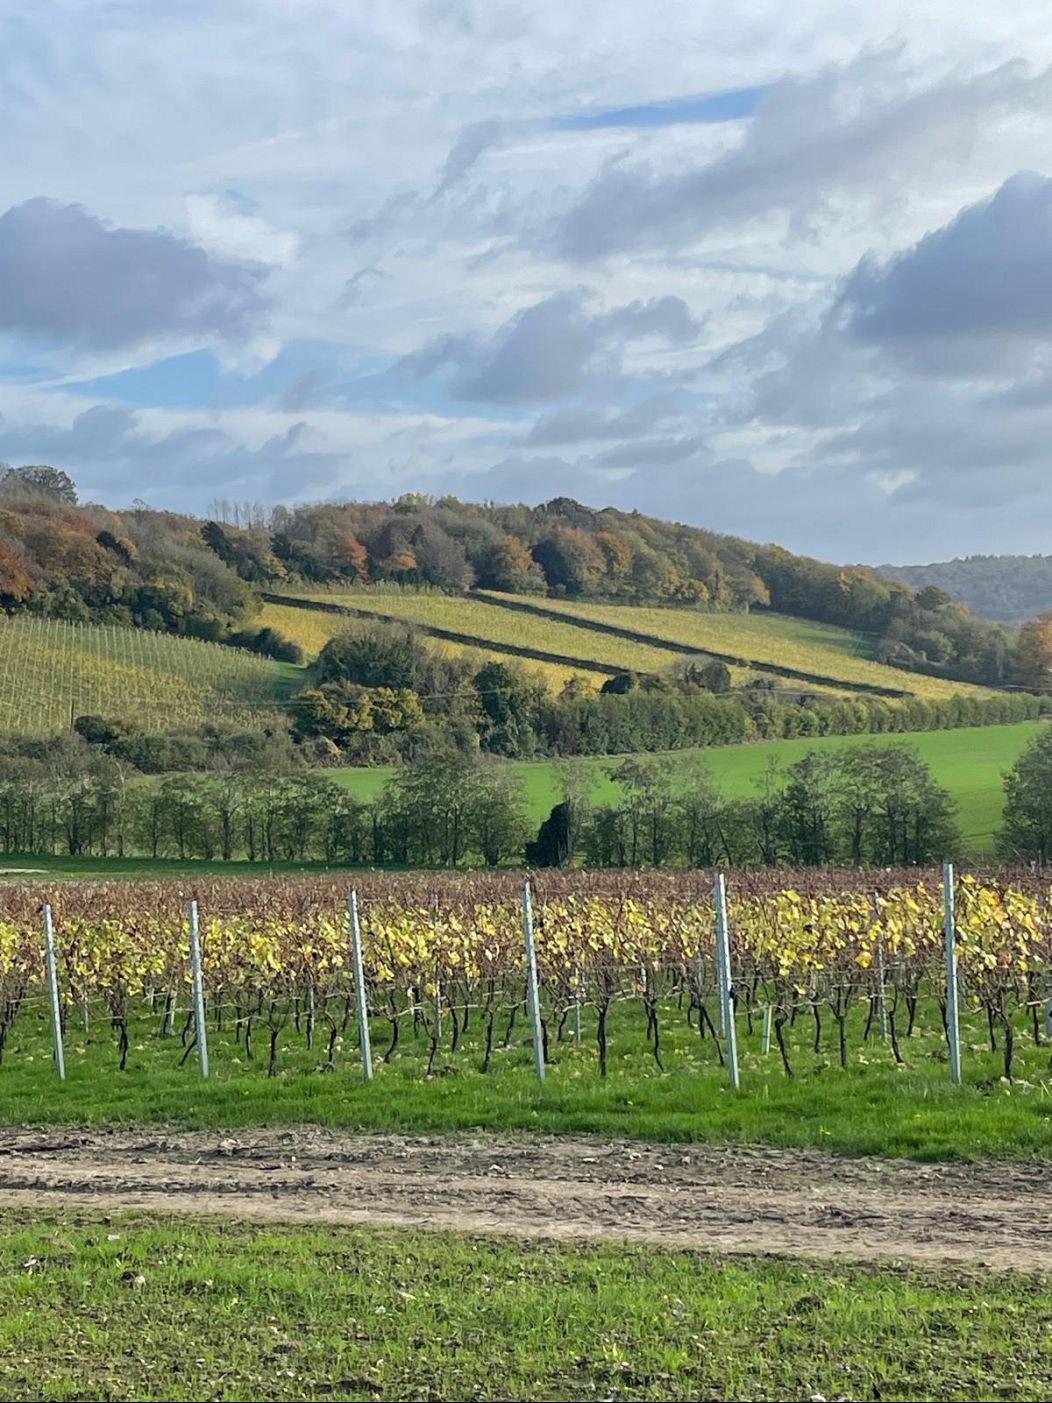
point(869, 804)
point(378, 695)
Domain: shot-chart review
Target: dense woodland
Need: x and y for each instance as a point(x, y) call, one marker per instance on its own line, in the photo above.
point(1008, 588)
point(182, 574)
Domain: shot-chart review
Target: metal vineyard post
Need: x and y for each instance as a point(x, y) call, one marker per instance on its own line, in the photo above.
point(359, 988)
point(52, 989)
point(723, 969)
point(953, 1030)
point(200, 1032)
point(533, 994)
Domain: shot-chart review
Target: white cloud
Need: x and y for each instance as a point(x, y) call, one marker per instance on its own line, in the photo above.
point(789, 331)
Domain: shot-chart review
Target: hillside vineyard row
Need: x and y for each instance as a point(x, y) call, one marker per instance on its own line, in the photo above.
point(277, 956)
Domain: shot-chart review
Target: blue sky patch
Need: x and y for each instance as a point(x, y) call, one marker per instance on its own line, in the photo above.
point(730, 106)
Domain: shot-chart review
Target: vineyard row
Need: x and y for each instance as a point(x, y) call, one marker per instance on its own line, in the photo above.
point(274, 955)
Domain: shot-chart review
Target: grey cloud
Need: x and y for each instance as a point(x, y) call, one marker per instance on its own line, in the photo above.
point(924, 390)
point(666, 317)
point(650, 452)
point(113, 458)
point(986, 274)
point(575, 423)
point(669, 414)
point(552, 350)
point(810, 138)
point(67, 278)
point(470, 145)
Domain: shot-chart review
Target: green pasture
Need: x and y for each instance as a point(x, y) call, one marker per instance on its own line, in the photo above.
point(969, 762)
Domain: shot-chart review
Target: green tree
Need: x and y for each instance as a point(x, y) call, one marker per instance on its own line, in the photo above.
point(1027, 829)
point(434, 803)
point(499, 824)
point(506, 703)
point(373, 655)
point(41, 481)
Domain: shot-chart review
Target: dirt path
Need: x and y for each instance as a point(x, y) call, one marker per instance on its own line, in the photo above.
point(748, 1200)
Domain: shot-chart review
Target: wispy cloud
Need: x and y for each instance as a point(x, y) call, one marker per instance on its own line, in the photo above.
point(779, 271)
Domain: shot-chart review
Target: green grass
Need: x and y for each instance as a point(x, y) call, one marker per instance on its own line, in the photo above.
point(871, 1108)
point(20, 867)
point(970, 762)
point(228, 1310)
point(52, 672)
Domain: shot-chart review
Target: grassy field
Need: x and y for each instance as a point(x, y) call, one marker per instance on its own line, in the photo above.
point(136, 1308)
point(51, 672)
point(970, 762)
point(871, 1108)
point(776, 639)
point(17, 867)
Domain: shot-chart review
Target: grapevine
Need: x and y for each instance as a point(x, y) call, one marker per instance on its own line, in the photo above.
point(443, 954)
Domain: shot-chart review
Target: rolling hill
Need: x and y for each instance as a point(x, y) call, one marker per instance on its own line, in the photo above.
point(562, 639)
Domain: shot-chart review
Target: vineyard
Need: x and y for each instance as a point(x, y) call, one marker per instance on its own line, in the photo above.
point(814, 965)
point(507, 631)
point(762, 640)
point(621, 636)
point(51, 672)
point(312, 629)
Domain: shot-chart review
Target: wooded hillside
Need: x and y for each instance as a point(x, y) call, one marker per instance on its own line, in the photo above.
point(1008, 588)
point(182, 574)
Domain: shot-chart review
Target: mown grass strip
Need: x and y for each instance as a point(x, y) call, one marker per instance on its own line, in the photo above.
point(133, 1307)
point(871, 1108)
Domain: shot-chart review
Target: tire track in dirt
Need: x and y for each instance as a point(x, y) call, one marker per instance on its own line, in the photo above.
point(784, 1202)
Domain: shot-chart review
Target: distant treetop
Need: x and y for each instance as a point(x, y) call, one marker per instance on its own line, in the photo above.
point(41, 481)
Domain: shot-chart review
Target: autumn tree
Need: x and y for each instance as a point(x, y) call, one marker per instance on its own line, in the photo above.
point(1027, 830)
point(1034, 652)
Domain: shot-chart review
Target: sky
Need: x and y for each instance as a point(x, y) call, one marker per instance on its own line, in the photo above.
point(783, 271)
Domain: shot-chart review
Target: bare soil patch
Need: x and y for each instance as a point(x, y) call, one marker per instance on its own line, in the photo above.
point(785, 1202)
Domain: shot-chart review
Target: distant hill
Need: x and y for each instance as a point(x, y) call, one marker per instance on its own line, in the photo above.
point(1007, 588)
